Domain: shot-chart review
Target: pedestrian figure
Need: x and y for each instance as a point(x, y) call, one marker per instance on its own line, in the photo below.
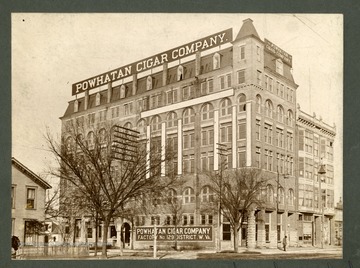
point(285, 242)
point(15, 244)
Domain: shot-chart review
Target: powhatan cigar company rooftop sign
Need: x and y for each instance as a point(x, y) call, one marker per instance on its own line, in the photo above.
point(192, 233)
point(177, 53)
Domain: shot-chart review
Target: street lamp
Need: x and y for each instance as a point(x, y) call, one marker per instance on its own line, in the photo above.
point(321, 172)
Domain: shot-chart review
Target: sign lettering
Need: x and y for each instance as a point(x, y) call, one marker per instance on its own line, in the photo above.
point(193, 233)
point(180, 52)
point(278, 52)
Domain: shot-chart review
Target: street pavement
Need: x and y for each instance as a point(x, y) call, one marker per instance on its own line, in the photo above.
point(266, 253)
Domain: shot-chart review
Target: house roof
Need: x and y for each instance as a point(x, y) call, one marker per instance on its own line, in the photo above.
point(29, 173)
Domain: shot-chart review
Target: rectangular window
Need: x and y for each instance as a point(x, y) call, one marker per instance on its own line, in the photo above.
point(13, 197)
point(258, 53)
point(270, 84)
point(242, 159)
point(242, 52)
point(257, 130)
point(242, 129)
point(210, 219)
point(241, 76)
point(226, 232)
point(211, 85)
point(259, 82)
point(185, 219)
point(258, 157)
point(128, 108)
point(225, 81)
point(102, 116)
point(30, 200)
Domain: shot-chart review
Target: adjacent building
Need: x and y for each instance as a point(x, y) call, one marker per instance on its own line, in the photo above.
point(234, 93)
point(27, 204)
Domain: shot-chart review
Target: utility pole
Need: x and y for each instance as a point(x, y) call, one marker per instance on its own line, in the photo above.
point(321, 172)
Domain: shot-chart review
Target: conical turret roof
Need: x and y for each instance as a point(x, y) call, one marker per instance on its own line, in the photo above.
point(247, 29)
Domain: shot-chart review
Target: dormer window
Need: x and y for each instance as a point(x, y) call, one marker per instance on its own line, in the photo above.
point(279, 67)
point(97, 99)
point(216, 61)
point(149, 83)
point(180, 73)
point(76, 106)
point(122, 91)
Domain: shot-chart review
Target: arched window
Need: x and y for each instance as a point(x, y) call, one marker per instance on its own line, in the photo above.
point(207, 194)
point(128, 125)
point(97, 99)
point(269, 193)
point(225, 107)
point(180, 73)
point(171, 196)
point(290, 117)
point(80, 142)
point(188, 116)
point(268, 108)
point(171, 119)
point(216, 61)
point(69, 142)
point(281, 196)
point(258, 103)
point(280, 114)
point(141, 126)
point(207, 111)
point(90, 139)
point(102, 136)
point(242, 102)
point(291, 197)
point(149, 83)
point(155, 123)
point(188, 195)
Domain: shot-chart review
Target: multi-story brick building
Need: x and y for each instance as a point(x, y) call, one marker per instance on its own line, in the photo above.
point(218, 91)
point(28, 204)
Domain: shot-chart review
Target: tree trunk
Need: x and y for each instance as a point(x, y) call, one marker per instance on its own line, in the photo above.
point(176, 248)
point(96, 233)
point(105, 236)
point(236, 237)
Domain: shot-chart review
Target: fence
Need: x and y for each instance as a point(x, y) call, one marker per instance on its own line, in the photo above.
point(55, 251)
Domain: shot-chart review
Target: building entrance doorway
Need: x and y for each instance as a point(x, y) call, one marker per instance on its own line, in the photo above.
point(125, 234)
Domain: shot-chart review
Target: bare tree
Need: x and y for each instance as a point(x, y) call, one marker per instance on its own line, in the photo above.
point(237, 191)
point(109, 169)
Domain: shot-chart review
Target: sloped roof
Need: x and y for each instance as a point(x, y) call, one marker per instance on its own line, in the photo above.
point(247, 29)
point(29, 173)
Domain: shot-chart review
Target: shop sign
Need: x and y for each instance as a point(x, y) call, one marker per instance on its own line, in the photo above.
point(278, 52)
point(177, 53)
point(182, 233)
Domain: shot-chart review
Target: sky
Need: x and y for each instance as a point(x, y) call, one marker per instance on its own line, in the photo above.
point(51, 51)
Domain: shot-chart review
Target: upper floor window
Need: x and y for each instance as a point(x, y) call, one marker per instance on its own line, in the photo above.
point(76, 106)
point(188, 195)
point(290, 197)
point(97, 99)
point(269, 194)
point(242, 102)
point(216, 61)
point(188, 92)
point(171, 119)
point(30, 198)
point(13, 197)
point(122, 91)
point(207, 86)
point(180, 73)
point(155, 123)
point(102, 116)
point(258, 53)
point(268, 108)
point(189, 116)
point(280, 114)
point(207, 111)
point(141, 126)
point(128, 108)
point(281, 194)
point(225, 81)
point(290, 117)
point(242, 52)
point(279, 66)
point(225, 107)
point(259, 78)
point(128, 125)
point(207, 194)
point(241, 76)
point(149, 83)
point(171, 96)
point(258, 103)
